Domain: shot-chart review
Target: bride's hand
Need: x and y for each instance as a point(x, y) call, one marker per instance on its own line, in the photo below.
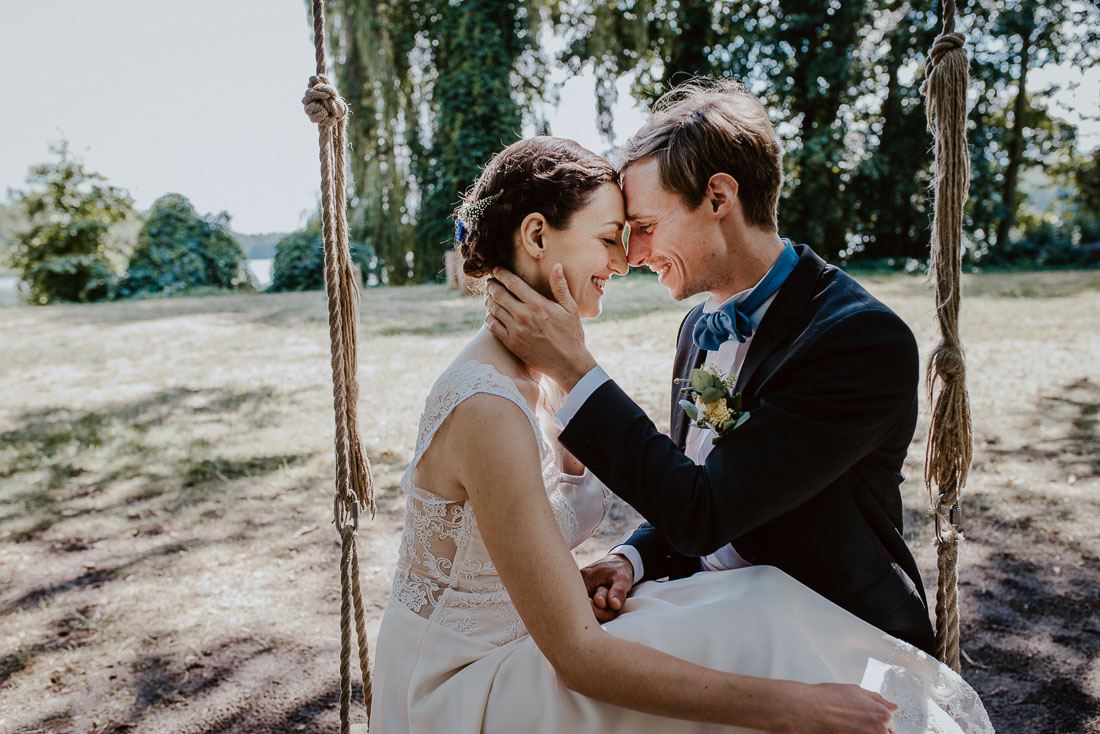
point(834, 708)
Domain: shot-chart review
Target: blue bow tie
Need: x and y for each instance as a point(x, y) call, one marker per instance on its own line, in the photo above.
point(733, 321)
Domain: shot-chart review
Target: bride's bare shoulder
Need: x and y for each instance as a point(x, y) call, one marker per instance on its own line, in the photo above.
point(485, 349)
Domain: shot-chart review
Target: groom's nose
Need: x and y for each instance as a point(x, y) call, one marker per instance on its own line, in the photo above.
point(638, 252)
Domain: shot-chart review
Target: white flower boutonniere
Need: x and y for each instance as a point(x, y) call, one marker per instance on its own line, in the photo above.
point(710, 401)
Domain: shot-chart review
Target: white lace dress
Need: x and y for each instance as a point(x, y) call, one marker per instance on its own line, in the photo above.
point(454, 656)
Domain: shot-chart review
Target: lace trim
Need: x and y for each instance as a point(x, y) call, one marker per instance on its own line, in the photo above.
point(914, 678)
point(443, 571)
point(451, 389)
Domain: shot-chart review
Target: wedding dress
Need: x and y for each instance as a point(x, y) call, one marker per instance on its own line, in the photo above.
point(453, 654)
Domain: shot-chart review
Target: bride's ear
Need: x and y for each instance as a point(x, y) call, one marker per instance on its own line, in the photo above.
point(531, 233)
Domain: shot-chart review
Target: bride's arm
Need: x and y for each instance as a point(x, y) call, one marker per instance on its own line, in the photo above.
point(514, 516)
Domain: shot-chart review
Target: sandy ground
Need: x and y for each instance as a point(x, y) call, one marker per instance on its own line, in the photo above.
point(167, 562)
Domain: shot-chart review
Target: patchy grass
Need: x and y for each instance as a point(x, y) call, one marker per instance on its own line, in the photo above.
point(166, 561)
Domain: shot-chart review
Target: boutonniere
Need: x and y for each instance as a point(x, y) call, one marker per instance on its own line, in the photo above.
point(710, 401)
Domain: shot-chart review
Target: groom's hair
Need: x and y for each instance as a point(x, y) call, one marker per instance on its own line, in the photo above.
point(708, 126)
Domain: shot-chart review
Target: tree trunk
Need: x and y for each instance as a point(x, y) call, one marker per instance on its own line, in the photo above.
point(1015, 148)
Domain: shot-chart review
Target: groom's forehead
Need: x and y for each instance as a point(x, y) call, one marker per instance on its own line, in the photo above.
point(642, 191)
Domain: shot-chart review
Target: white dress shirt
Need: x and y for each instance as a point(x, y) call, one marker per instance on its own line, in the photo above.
point(729, 358)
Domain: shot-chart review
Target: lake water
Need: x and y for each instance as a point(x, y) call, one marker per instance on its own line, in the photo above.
point(260, 269)
point(9, 293)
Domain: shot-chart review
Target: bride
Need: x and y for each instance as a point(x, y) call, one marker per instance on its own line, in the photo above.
point(489, 626)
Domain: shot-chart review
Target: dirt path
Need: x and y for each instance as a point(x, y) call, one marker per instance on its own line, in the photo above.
point(166, 558)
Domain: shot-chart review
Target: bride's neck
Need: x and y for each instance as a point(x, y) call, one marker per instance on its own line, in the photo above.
point(497, 346)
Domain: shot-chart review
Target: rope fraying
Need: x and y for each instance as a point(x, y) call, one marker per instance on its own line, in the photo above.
point(950, 441)
point(354, 486)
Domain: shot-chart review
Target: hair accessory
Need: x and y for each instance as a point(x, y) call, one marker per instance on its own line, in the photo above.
point(469, 214)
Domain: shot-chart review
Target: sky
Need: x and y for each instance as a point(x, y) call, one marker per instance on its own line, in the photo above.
point(203, 98)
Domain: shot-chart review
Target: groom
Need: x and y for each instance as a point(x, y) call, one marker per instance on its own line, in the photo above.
point(810, 482)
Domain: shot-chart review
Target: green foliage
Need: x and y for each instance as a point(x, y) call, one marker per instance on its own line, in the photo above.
point(476, 45)
point(63, 254)
point(300, 261)
point(436, 88)
point(842, 82)
point(179, 250)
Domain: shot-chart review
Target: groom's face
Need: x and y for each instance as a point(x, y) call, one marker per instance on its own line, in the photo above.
point(681, 245)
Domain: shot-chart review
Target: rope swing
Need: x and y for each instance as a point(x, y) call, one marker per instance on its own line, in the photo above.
point(950, 439)
point(949, 446)
point(354, 486)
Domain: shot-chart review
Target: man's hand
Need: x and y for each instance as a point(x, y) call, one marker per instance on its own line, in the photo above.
point(546, 335)
point(608, 581)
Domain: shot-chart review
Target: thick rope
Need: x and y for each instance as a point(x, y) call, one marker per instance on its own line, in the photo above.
point(950, 441)
point(354, 485)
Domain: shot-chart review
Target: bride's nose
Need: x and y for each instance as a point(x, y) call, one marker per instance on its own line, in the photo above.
point(617, 261)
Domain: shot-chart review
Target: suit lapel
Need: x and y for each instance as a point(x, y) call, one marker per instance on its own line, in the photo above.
point(782, 316)
point(688, 357)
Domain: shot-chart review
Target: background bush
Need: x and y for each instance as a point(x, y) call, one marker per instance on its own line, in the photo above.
point(179, 250)
point(300, 261)
point(62, 254)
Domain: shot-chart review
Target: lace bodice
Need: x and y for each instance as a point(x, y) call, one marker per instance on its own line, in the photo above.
point(444, 572)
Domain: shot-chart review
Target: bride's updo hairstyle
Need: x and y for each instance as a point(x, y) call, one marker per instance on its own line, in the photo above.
point(552, 176)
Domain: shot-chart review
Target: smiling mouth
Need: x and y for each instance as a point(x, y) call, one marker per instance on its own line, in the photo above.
point(599, 283)
point(661, 271)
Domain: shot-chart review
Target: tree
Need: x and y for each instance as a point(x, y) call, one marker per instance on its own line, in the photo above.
point(178, 250)
point(63, 255)
point(476, 47)
point(663, 41)
point(435, 88)
point(800, 56)
point(889, 188)
point(1011, 128)
point(1036, 34)
point(372, 46)
point(300, 261)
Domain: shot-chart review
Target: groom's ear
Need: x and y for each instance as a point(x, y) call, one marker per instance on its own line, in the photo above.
point(721, 193)
point(531, 232)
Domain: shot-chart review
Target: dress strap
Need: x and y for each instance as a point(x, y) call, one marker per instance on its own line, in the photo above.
point(455, 386)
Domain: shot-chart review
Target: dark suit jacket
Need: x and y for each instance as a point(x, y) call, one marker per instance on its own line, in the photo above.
point(810, 483)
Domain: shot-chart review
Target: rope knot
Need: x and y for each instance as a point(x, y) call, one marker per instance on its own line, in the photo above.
point(949, 362)
point(945, 44)
point(324, 105)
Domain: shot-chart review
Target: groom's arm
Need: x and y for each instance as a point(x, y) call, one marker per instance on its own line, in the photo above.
point(850, 386)
point(650, 555)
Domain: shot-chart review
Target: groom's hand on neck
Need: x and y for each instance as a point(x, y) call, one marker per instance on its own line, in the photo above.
point(546, 335)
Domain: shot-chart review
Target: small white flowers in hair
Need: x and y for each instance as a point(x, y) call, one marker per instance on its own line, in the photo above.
point(469, 214)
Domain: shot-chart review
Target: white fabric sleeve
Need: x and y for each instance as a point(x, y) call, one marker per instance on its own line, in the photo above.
point(579, 395)
point(633, 556)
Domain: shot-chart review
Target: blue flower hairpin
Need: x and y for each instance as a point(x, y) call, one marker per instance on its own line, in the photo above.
point(469, 214)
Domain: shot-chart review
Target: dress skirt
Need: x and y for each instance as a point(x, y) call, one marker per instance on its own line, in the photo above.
point(754, 621)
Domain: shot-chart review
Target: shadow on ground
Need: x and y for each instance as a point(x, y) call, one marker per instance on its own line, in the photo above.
point(60, 464)
point(1031, 610)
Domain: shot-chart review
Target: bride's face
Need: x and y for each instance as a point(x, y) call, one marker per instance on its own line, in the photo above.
point(590, 249)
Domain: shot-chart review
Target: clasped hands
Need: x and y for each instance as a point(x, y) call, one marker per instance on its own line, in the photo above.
point(608, 581)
